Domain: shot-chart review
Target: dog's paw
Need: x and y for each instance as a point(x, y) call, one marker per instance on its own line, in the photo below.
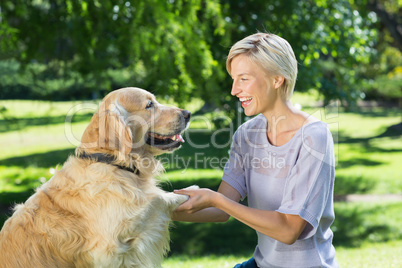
point(192, 187)
point(176, 200)
point(186, 197)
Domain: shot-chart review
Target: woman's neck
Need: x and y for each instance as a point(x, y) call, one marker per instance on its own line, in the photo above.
point(284, 121)
point(280, 117)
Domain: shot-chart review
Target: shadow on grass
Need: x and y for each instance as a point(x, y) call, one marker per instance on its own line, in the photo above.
point(14, 124)
point(48, 159)
point(8, 200)
point(353, 184)
point(356, 223)
point(376, 111)
point(197, 239)
point(358, 162)
point(210, 183)
point(393, 132)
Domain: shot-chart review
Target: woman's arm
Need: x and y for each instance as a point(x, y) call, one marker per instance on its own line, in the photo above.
point(285, 228)
point(209, 213)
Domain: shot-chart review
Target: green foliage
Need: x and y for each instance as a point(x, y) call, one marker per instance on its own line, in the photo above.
point(80, 49)
point(384, 79)
point(93, 38)
point(8, 38)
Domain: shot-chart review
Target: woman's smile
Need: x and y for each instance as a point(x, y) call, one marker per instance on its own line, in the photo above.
point(245, 101)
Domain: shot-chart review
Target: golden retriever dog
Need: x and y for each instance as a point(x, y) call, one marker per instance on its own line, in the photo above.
point(104, 207)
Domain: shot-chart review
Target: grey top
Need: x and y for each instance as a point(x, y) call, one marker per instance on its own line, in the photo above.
point(295, 178)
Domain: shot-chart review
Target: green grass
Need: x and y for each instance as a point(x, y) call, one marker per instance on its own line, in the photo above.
point(359, 223)
point(369, 255)
point(35, 139)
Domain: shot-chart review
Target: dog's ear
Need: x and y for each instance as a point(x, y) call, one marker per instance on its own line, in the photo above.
point(108, 132)
point(90, 137)
point(114, 134)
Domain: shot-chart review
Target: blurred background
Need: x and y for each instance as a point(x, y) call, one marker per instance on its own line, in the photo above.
point(59, 58)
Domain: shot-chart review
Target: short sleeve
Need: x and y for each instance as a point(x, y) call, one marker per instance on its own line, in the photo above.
point(233, 172)
point(310, 181)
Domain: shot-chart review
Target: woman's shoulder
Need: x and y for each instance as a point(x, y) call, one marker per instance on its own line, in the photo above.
point(316, 135)
point(251, 130)
point(315, 128)
point(257, 122)
point(253, 125)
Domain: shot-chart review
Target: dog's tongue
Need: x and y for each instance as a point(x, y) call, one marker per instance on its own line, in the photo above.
point(179, 138)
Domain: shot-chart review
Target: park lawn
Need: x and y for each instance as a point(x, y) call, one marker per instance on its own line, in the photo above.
point(369, 153)
point(386, 254)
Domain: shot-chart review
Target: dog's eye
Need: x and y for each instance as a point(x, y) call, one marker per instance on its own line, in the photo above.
point(150, 104)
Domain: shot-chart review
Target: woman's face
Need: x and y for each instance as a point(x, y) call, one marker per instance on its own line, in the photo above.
point(253, 87)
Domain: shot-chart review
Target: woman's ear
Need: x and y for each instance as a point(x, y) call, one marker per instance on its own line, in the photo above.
point(278, 81)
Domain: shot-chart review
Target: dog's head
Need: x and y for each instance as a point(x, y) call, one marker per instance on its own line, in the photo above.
point(131, 121)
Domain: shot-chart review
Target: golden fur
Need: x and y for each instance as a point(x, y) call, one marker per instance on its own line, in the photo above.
point(95, 214)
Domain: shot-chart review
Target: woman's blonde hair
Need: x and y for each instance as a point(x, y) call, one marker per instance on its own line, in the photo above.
point(273, 53)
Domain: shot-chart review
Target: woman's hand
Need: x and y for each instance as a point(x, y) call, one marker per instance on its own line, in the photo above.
point(205, 205)
point(207, 199)
point(198, 200)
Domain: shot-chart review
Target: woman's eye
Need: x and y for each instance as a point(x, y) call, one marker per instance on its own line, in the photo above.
point(150, 104)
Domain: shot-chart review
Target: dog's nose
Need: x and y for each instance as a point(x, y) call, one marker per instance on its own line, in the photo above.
point(186, 114)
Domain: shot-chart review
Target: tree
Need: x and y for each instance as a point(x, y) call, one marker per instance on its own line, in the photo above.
point(382, 77)
point(178, 48)
point(164, 43)
point(390, 18)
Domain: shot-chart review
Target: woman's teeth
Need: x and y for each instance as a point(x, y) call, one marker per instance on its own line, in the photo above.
point(245, 101)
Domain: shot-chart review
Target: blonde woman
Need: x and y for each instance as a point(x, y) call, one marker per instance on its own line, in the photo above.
point(282, 160)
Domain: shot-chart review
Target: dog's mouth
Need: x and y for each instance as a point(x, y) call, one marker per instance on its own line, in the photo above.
point(164, 142)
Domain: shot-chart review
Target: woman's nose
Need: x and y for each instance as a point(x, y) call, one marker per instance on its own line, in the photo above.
point(235, 89)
